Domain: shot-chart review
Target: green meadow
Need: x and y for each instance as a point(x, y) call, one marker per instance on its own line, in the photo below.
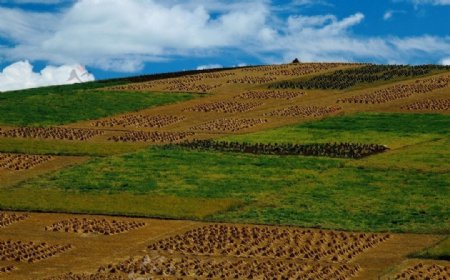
point(59, 105)
point(317, 192)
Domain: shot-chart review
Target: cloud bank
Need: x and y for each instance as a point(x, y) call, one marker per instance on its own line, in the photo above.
point(20, 75)
point(124, 35)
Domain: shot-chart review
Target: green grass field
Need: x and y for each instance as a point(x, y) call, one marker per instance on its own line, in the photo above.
point(62, 105)
point(440, 251)
point(290, 190)
point(67, 147)
point(417, 141)
point(395, 130)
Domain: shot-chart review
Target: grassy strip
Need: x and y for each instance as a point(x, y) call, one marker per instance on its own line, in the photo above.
point(143, 205)
point(440, 251)
point(396, 130)
point(66, 147)
point(49, 106)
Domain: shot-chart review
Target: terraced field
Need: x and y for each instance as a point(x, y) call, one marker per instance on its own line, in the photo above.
point(305, 170)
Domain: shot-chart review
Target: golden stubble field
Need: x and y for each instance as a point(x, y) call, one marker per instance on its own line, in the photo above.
point(50, 246)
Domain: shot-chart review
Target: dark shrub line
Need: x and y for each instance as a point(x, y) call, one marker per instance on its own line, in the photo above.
point(337, 150)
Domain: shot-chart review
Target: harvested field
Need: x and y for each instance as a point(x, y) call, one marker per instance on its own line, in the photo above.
point(303, 69)
point(294, 69)
point(399, 91)
point(166, 249)
point(139, 121)
point(429, 105)
point(270, 94)
point(340, 150)
point(251, 80)
point(87, 276)
point(265, 68)
point(7, 219)
point(154, 136)
point(186, 267)
point(21, 161)
point(304, 111)
point(58, 133)
point(229, 124)
point(190, 87)
point(192, 83)
point(425, 271)
point(344, 79)
point(30, 252)
point(224, 107)
point(96, 226)
point(6, 269)
point(269, 242)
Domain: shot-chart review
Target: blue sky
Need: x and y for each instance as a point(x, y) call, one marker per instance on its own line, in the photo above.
point(114, 38)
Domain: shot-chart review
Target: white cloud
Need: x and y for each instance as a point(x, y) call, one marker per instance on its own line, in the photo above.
point(41, 2)
point(388, 15)
point(142, 30)
point(431, 2)
point(209, 66)
point(124, 35)
point(310, 2)
point(445, 61)
point(391, 13)
point(20, 75)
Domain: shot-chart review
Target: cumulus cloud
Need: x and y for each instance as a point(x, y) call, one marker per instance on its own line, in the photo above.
point(140, 30)
point(391, 13)
point(388, 15)
point(445, 61)
point(130, 33)
point(20, 75)
point(209, 66)
point(431, 2)
point(40, 2)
